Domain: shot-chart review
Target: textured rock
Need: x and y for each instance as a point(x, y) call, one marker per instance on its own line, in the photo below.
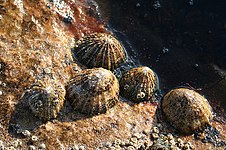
point(35, 42)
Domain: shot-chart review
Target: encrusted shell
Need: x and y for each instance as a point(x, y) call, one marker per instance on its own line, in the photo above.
point(186, 110)
point(99, 50)
point(139, 84)
point(93, 91)
point(46, 99)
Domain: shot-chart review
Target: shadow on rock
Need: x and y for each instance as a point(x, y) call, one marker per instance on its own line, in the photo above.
point(23, 120)
point(68, 114)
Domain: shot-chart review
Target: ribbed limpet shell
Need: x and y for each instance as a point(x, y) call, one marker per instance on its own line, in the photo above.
point(139, 84)
point(93, 91)
point(186, 110)
point(46, 99)
point(99, 50)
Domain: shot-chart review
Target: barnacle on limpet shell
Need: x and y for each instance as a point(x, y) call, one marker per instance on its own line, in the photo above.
point(139, 84)
point(186, 110)
point(99, 50)
point(93, 91)
point(46, 99)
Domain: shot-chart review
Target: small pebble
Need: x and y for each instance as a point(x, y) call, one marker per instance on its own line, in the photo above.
point(159, 126)
point(172, 142)
point(170, 136)
point(1, 93)
point(17, 143)
point(127, 142)
point(11, 148)
point(81, 147)
point(131, 148)
point(186, 146)
point(108, 144)
point(47, 70)
point(117, 147)
point(155, 130)
point(154, 135)
point(174, 148)
point(134, 140)
point(137, 135)
point(26, 133)
point(1, 145)
point(42, 146)
point(31, 147)
point(146, 132)
point(117, 141)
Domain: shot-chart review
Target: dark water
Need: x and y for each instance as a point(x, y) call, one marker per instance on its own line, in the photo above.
point(184, 42)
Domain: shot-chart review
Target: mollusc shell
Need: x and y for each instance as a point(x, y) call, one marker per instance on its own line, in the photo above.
point(93, 91)
point(46, 99)
point(99, 50)
point(186, 110)
point(139, 84)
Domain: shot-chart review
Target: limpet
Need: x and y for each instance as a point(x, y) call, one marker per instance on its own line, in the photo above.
point(46, 99)
point(93, 91)
point(139, 84)
point(99, 50)
point(186, 110)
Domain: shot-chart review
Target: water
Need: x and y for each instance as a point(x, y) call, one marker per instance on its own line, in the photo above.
point(181, 41)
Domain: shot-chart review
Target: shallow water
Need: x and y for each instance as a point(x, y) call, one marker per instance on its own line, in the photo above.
point(183, 42)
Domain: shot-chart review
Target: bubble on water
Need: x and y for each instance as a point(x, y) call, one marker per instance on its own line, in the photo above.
point(156, 5)
point(138, 5)
point(191, 2)
point(165, 50)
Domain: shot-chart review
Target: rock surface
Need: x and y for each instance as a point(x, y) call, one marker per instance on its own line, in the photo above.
point(35, 42)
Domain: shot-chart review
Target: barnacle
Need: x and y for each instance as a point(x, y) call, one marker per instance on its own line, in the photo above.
point(93, 91)
point(99, 50)
point(186, 110)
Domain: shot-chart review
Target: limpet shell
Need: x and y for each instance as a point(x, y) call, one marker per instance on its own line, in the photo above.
point(139, 84)
point(93, 91)
point(46, 99)
point(186, 110)
point(99, 50)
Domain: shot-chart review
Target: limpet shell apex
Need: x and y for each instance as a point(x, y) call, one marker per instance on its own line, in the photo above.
point(139, 84)
point(93, 91)
point(46, 99)
point(99, 50)
point(186, 110)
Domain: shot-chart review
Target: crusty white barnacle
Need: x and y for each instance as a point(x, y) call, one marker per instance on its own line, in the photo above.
point(138, 96)
point(142, 94)
point(56, 102)
point(38, 104)
point(126, 87)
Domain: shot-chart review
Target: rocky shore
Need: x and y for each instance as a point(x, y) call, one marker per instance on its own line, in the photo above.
point(36, 38)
